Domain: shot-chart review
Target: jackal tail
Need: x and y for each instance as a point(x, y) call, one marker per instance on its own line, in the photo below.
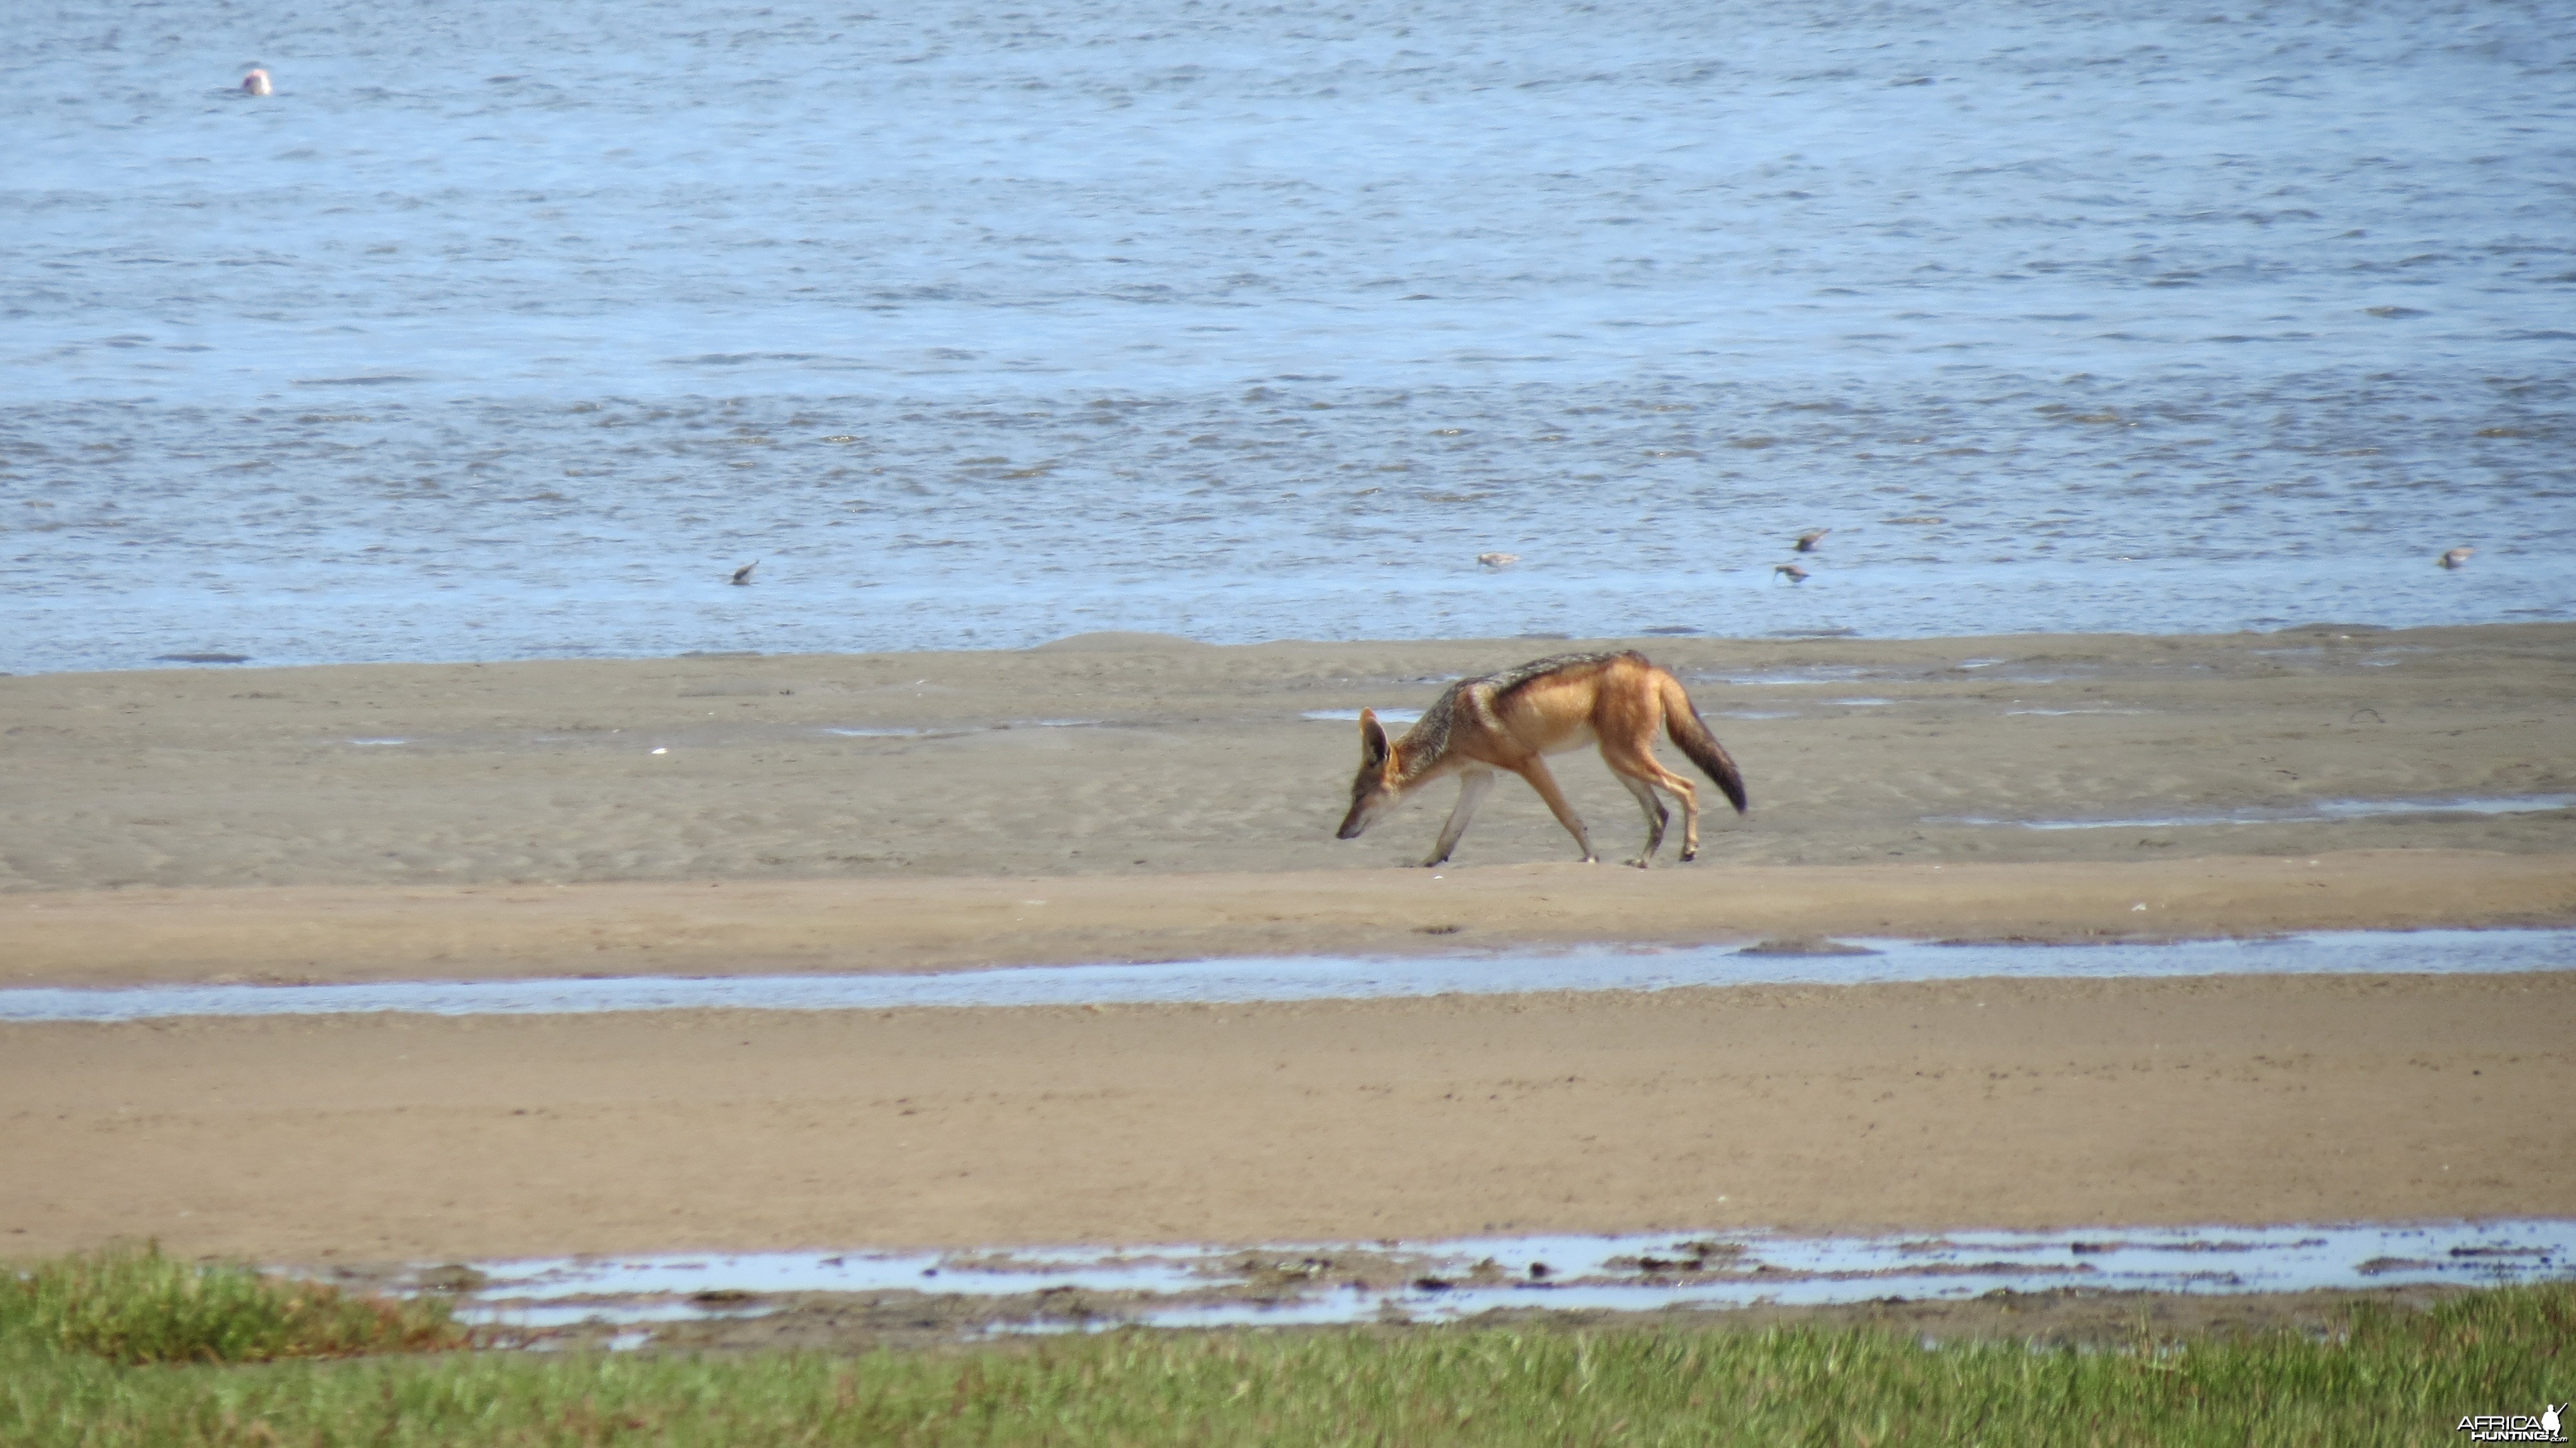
point(1682, 722)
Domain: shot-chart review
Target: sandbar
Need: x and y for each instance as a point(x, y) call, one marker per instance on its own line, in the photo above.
point(2019, 1104)
point(1148, 798)
point(1142, 797)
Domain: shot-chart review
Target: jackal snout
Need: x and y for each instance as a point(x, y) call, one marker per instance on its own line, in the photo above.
point(1373, 788)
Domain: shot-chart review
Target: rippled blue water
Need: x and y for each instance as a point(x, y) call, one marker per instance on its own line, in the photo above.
point(504, 331)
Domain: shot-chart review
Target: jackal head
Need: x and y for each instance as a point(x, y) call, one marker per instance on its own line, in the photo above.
point(1375, 787)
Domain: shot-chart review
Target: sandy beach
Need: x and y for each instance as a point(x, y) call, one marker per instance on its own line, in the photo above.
point(1135, 797)
point(1909, 1108)
point(316, 934)
point(1143, 755)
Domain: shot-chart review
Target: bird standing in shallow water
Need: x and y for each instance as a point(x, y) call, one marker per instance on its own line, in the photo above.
point(2455, 557)
point(1808, 540)
point(1791, 571)
point(742, 575)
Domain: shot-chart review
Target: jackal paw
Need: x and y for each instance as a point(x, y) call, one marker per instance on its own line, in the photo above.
point(1642, 862)
point(1689, 855)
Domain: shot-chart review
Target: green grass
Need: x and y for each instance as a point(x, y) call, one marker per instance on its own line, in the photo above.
point(133, 1305)
point(2395, 1377)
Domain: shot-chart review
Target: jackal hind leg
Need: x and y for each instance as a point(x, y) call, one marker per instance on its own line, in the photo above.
point(1656, 817)
point(1639, 769)
point(1535, 771)
point(1471, 793)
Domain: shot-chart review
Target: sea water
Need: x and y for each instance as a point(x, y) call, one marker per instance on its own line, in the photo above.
point(505, 331)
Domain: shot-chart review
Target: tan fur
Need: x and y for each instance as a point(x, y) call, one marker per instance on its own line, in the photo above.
point(1514, 719)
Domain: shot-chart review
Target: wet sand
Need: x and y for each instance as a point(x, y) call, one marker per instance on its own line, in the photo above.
point(313, 934)
point(236, 824)
point(856, 1323)
point(197, 823)
point(2025, 1104)
point(1197, 759)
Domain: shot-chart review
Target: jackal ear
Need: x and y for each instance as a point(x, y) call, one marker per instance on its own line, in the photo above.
point(1373, 745)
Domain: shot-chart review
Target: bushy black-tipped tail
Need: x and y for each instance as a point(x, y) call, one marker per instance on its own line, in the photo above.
point(1682, 722)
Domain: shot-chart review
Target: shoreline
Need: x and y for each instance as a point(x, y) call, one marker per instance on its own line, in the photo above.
point(1123, 640)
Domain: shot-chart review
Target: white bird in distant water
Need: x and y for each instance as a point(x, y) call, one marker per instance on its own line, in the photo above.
point(1808, 540)
point(2455, 557)
point(1498, 560)
point(742, 575)
point(256, 83)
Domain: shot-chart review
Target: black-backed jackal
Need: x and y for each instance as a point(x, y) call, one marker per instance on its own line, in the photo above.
point(1513, 719)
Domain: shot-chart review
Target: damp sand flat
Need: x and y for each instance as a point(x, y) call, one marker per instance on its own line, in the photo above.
point(1916, 1108)
point(303, 935)
point(1201, 759)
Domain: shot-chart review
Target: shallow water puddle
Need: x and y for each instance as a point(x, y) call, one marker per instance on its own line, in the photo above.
point(711, 733)
point(1290, 978)
point(2315, 810)
point(899, 731)
point(1767, 678)
point(1303, 1283)
point(1350, 716)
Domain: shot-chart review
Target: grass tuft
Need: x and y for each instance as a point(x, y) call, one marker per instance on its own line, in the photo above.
point(132, 1305)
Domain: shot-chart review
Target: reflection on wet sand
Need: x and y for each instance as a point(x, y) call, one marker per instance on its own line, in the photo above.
point(1292, 978)
point(1310, 1284)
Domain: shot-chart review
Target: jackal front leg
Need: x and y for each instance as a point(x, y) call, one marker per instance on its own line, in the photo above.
point(1545, 783)
point(1471, 793)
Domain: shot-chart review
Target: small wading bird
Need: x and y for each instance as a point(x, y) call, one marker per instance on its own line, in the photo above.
point(742, 575)
point(1498, 560)
point(1790, 571)
point(2455, 557)
point(1808, 540)
point(1512, 720)
point(256, 83)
